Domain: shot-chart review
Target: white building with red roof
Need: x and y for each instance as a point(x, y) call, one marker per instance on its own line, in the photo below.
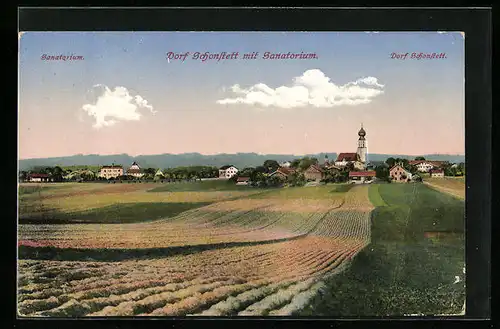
point(361, 176)
point(426, 165)
point(436, 172)
point(39, 178)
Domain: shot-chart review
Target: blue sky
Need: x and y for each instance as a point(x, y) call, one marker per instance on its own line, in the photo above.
point(421, 109)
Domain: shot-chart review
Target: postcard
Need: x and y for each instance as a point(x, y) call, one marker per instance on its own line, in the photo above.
point(241, 174)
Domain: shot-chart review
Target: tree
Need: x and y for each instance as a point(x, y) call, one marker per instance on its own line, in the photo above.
point(246, 172)
point(382, 172)
point(390, 162)
point(412, 169)
point(275, 181)
point(420, 158)
point(306, 162)
point(295, 163)
point(151, 171)
point(271, 165)
point(297, 179)
point(57, 174)
point(23, 175)
point(258, 179)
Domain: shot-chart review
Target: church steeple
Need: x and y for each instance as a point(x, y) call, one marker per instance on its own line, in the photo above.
point(362, 150)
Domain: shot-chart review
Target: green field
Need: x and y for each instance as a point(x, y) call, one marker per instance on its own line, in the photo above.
point(403, 271)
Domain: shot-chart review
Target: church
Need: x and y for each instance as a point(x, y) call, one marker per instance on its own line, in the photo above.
point(358, 159)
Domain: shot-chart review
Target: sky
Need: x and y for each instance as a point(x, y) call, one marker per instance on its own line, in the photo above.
point(126, 96)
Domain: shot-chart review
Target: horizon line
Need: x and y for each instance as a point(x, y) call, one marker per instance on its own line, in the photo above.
point(216, 154)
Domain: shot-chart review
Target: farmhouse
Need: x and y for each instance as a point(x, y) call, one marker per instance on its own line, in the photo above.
point(314, 173)
point(361, 176)
point(436, 172)
point(425, 165)
point(112, 171)
point(283, 172)
point(358, 159)
point(39, 178)
point(135, 170)
point(242, 180)
point(228, 171)
point(399, 174)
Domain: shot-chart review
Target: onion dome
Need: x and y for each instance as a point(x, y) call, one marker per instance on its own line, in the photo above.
point(361, 132)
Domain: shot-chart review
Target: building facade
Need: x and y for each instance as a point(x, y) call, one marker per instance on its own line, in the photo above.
point(314, 173)
point(399, 174)
point(436, 172)
point(135, 170)
point(361, 176)
point(226, 172)
point(39, 178)
point(425, 165)
point(242, 180)
point(285, 164)
point(112, 171)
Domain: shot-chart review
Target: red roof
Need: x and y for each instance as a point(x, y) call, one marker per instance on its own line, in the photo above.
point(347, 157)
point(39, 176)
point(362, 173)
point(242, 179)
point(286, 171)
point(112, 167)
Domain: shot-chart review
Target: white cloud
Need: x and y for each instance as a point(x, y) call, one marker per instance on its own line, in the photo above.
point(312, 88)
point(116, 105)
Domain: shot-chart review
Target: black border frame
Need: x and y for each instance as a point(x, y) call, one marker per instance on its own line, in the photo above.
point(477, 25)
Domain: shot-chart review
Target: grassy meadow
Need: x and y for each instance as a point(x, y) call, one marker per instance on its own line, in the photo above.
point(409, 268)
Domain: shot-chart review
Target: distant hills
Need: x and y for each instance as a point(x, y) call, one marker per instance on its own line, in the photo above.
point(239, 160)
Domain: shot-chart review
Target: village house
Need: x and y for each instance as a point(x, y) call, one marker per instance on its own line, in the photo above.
point(112, 171)
point(39, 178)
point(361, 176)
point(399, 174)
point(283, 172)
point(135, 170)
point(436, 172)
point(314, 173)
point(425, 165)
point(228, 171)
point(242, 180)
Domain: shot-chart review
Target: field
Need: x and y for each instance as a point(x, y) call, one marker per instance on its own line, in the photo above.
point(414, 265)
point(131, 249)
point(450, 185)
